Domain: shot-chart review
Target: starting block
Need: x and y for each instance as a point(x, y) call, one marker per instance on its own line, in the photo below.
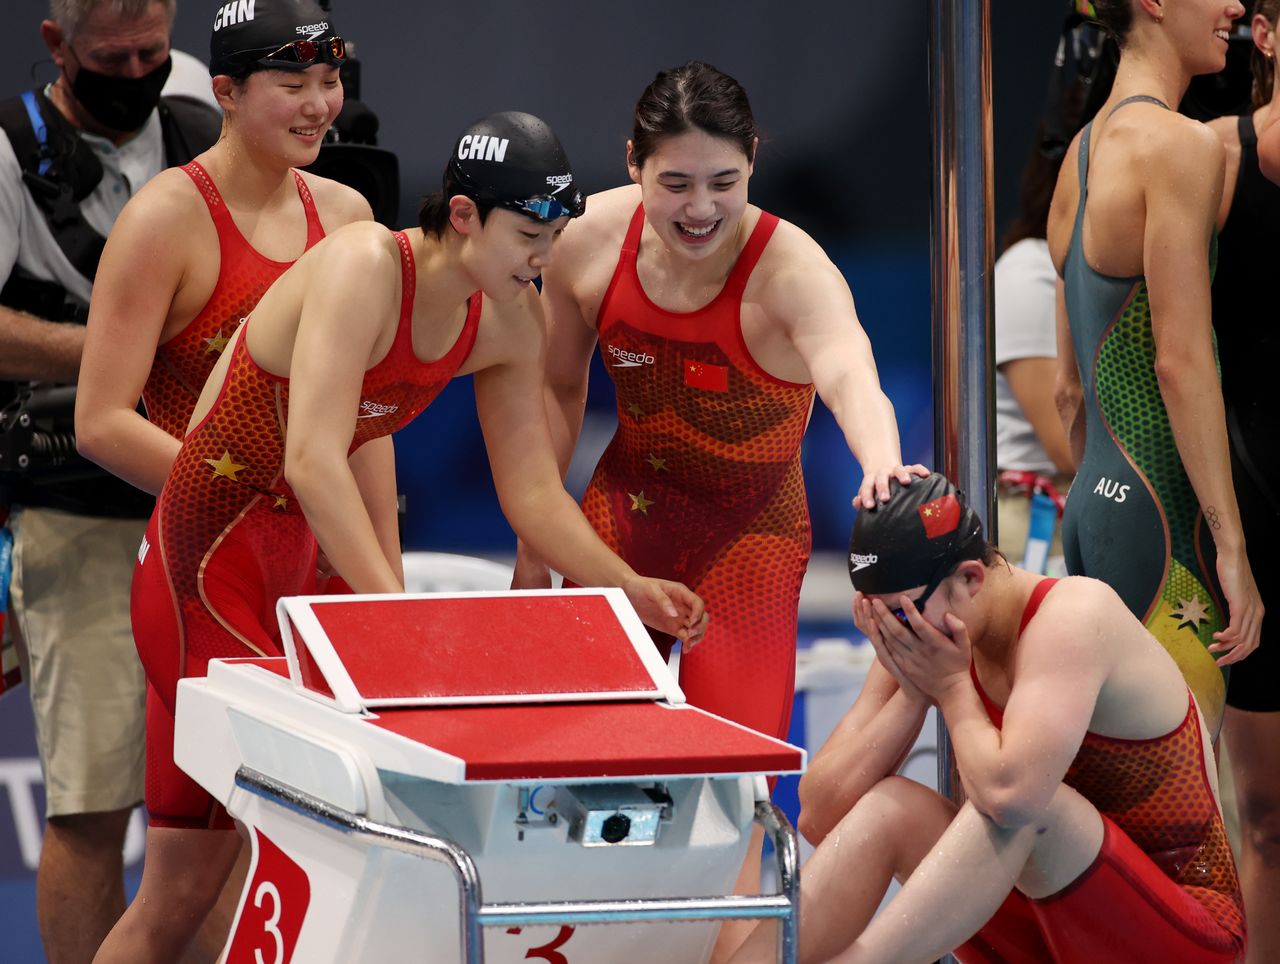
point(475, 777)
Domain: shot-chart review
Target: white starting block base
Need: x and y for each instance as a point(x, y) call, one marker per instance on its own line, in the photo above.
point(536, 825)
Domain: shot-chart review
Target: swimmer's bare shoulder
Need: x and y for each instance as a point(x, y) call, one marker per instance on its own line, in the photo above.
point(356, 269)
point(168, 211)
point(794, 272)
point(587, 252)
point(337, 203)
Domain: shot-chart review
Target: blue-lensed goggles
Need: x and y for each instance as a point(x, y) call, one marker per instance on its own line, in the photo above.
point(547, 208)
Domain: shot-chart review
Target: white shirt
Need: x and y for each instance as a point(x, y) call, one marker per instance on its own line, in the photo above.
point(25, 238)
point(1025, 328)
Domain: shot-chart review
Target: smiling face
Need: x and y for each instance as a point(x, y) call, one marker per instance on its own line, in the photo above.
point(284, 113)
point(1200, 30)
point(507, 253)
point(694, 188)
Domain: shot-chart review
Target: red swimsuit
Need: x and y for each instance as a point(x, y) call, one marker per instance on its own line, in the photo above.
point(228, 538)
point(1163, 887)
point(702, 481)
point(183, 363)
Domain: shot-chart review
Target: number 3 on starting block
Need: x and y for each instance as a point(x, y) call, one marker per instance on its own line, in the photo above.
point(266, 932)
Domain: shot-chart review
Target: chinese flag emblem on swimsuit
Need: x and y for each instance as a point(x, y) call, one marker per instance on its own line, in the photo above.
point(940, 516)
point(712, 378)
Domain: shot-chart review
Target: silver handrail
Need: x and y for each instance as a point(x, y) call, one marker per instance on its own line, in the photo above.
point(474, 914)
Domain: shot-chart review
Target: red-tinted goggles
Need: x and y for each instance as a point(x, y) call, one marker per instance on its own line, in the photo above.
point(301, 54)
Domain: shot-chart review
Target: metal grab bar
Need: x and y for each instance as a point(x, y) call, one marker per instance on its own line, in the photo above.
point(474, 914)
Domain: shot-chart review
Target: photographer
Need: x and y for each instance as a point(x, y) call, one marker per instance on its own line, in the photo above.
point(71, 155)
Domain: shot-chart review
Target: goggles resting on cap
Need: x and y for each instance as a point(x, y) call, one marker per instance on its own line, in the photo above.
point(301, 54)
point(545, 208)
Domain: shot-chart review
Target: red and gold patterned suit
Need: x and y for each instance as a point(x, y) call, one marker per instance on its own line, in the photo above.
point(702, 482)
point(228, 538)
point(1163, 887)
point(183, 363)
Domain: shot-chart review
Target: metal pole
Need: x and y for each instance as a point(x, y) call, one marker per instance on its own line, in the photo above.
point(963, 419)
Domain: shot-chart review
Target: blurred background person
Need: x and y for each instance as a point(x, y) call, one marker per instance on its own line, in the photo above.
point(71, 155)
point(1248, 239)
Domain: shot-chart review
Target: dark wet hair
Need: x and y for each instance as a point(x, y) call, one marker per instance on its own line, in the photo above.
point(1116, 16)
point(695, 96)
point(1264, 68)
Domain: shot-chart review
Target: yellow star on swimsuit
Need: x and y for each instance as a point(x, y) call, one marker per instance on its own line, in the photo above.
point(216, 343)
point(635, 410)
point(1190, 612)
point(659, 465)
point(639, 503)
point(225, 466)
point(281, 502)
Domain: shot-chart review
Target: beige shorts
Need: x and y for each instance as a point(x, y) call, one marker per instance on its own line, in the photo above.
point(69, 614)
point(1014, 512)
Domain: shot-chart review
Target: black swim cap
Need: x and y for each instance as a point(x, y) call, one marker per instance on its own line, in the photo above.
point(913, 539)
point(245, 31)
point(514, 160)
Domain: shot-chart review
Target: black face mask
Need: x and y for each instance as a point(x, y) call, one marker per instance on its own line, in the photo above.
point(120, 103)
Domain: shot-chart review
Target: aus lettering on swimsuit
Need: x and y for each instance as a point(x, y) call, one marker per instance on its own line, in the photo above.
point(1111, 490)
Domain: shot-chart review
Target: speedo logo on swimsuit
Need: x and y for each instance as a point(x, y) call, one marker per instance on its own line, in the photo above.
point(313, 30)
point(483, 147)
point(860, 562)
point(1111, 490)
point(374, 410)
point(240, 11)
point(629, 359)
point(143, 550)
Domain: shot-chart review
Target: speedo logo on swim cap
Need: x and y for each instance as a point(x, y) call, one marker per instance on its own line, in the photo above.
point(860, 562)
point(559, 181)
point(239, 11)
point(629, 359)
point(315, 29)
point(482, 147)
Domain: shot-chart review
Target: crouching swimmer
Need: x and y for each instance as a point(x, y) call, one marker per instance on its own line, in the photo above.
point(1092, 829)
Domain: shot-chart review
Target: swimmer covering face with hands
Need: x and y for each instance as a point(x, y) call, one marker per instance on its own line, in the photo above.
point(1092, 830)
point(291, 436)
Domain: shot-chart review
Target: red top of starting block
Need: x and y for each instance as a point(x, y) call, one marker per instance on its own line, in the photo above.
point(363, 652)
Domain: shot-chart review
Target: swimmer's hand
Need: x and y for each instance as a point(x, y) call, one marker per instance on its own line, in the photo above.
point(875, 483)
point(864, 617)
point(1242, 634)
point(932, 662)
point(669, 607)
point(530, 571)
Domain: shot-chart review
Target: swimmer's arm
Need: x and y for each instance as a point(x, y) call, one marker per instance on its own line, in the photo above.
point(1011, 773)
point(527, 478)
point(374, 467)
point(1030, 380)
point(350, 298)
point(868, 744)
point(126, 319)
point(1182, 204)
point(814, 303)
point(1068, 394)
point(570, 342)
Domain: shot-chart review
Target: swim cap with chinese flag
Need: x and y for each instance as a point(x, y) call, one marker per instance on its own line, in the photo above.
point(940, 516)
point(924, 528)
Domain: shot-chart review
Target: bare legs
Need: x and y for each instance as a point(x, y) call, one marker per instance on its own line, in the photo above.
point(1254, 743)
point(184, 873)
point(80, 883)
point(958, 866)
